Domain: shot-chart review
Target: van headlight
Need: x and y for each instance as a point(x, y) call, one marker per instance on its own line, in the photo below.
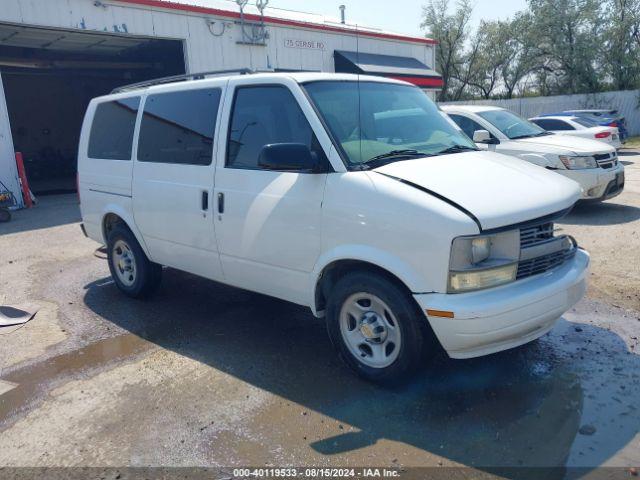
point(578, 163)
point(483, 261)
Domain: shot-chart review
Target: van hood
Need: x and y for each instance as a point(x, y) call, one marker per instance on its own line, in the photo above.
point(498, 190)
point(573, 144)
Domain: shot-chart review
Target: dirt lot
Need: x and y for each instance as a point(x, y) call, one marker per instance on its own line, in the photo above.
point(212, 376)
point(610, 231)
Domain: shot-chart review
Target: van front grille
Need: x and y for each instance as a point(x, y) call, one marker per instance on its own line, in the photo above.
point(533, 235)
point(539, 250)
point(534, 266)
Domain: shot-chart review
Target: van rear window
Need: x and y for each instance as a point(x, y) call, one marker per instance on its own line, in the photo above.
point(178, 127)
point(111, 134)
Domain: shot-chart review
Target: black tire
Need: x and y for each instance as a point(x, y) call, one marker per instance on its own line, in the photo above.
point(414, 337)
point(147, 277)
point(5, 215)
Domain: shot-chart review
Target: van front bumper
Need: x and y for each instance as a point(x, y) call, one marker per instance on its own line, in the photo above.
point(497, 319)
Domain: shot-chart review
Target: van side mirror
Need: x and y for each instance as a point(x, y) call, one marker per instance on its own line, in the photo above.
point(291, 157)
point(483, 136)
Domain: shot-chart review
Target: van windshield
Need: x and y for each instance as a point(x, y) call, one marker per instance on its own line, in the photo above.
point(512, 125)
point(376, 123)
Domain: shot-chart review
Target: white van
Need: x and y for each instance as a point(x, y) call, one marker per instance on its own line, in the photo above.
point(351, 195)
point(591, 163)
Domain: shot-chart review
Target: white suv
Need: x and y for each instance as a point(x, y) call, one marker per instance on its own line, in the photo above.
point(351, 195)
point(591, 163)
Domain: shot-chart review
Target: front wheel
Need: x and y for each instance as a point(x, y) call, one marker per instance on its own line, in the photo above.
point(375, 326)
point(133, 273)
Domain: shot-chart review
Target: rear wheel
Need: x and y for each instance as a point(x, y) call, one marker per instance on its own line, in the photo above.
point(375, 326)
point(133, 273)
point(5, 215)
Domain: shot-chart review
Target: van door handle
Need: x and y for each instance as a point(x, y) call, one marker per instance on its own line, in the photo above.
point(205, 200)
point(220, 202)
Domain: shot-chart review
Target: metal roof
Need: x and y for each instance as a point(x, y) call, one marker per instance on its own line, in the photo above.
point(277, 17)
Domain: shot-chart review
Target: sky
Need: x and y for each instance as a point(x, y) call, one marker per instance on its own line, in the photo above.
point(401, 16)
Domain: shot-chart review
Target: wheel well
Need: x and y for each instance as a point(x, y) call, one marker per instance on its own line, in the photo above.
point(334, 271)
point(109, 221)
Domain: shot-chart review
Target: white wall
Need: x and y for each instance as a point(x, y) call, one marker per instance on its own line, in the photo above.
point(627, 102)
point(8, 169)
point(206, 50)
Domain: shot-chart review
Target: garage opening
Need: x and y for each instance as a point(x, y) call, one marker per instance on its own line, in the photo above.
point(50, 76)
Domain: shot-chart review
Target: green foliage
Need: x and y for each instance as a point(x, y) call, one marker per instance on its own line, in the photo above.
point(553, 47)
point(621, 43)
point(451, 30)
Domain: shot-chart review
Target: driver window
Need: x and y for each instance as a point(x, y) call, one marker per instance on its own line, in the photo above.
point(264, 115)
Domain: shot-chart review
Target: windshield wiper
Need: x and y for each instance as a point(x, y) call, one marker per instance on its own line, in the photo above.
point(395, 153)
point(526, 135)
point(384, 158)
point(456, 149)
point(530, 135)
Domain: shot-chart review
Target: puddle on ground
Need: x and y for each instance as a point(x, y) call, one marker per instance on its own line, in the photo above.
point(6, 386)
point(18, 315)
point(31, 379)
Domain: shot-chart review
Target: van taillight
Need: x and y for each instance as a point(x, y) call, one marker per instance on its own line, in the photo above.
point(78, 185)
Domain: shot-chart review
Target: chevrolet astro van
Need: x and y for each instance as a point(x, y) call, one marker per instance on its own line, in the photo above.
point(351, 195)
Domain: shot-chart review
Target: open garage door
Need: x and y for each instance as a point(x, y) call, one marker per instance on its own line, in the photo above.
point(50, 76)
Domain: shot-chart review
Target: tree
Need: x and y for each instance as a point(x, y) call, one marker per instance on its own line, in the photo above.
point(621, 37)
point(470, 71)
point(552, 47)
point(568, 32)
point(517, 41)
point(492, 41)
point(451, 31)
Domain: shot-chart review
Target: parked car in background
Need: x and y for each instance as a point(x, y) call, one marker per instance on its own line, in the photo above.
point(605, 118)
point(578, 127)
point(309, 187)
point(593, 164)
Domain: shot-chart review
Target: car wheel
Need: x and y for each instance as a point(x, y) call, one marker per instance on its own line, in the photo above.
point(5, 215)
point(376, 327)
point(133, 273)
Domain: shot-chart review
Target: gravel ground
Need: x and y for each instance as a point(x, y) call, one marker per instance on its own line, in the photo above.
point(610, 231)
point(207, 375)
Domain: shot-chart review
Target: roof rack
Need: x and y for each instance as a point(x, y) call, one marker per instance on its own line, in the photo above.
point(181, 78)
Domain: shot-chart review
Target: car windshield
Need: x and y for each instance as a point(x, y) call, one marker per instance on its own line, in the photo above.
point(511, 124)
point(377, 123)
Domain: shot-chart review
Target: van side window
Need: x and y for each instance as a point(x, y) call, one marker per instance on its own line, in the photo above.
point(467, 125)
point(264, 115)
point(111, 136)
point(178, 127)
